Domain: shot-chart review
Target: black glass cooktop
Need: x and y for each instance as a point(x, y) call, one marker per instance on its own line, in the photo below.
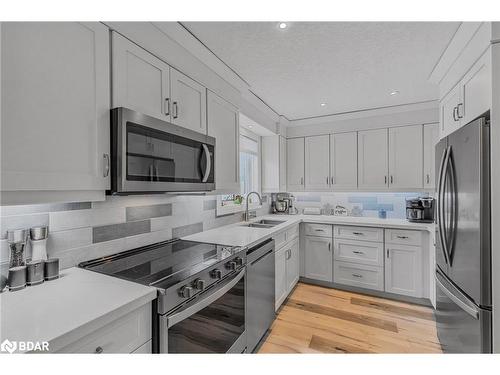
point(161, 265)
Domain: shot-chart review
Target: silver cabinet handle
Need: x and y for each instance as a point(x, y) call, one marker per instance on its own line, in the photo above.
point(455, 109)
point(428, 178)
point(392, 179)
point(460, 105)
point(329, 246)
point(357, 252)
point(302, 180)
point(333, 181)
point(319, 230)
point(99, 350)
point(175, 110)
point(358, 233)
point(385, 180)
point(106, 165)
point(327, 180)
point(387, 253)
point(167, 106)
point(402, 237)
point(357, 275)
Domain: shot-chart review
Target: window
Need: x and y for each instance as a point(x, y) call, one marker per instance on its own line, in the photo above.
point(249, 176)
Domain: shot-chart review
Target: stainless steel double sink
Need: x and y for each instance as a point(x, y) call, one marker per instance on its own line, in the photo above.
point(264, 224)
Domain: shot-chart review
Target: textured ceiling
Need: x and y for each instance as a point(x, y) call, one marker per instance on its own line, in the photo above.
point(348, 65)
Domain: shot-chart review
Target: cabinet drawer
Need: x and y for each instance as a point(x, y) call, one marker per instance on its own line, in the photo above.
point(359, 252)
point(292, 233)
point(359, 275)
point(279, 240)
point(359, 233)
point(403, 237)
point(124, 335)
point(319, 230)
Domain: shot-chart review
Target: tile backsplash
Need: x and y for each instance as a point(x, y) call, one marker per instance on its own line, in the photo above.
point(84, 231)
point(369, 203)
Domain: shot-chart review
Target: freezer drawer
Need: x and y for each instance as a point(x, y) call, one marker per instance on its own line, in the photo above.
point(462, 326)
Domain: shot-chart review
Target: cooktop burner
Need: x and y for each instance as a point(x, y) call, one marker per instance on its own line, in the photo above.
point(163, 264)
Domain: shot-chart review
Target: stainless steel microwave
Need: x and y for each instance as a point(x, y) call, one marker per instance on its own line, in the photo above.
point(149, 155)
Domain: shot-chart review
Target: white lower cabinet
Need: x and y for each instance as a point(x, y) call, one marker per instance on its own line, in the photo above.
point(318, 257)
point(403, 270)
point(286, 270)
point(359, 275)
point(127, 334)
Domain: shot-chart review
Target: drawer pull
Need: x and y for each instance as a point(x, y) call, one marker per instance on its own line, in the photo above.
point(357, 252)
point(357, 275)
point(319, 230)
point(403, 237)
point(358, 233)
point(99, 350)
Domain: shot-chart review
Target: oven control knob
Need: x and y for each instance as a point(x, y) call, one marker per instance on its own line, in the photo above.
point(238, 261)
point(186, 292)
point(199, 284)
point(216, 274)
point(231, 265)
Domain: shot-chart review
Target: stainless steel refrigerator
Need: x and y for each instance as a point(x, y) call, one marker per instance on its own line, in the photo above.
point(463, 240)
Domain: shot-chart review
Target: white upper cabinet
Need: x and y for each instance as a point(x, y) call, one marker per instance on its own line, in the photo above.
point(223, 124)
point(295, 164)
point(476, 90)
point(448, 109)
point(344, 160)
point(405, 157)
point(55, 107)
point(189, 102)
point(430, 139)
point(141, 81)
point(273, 164)
point(373, 159)
point(317, 168)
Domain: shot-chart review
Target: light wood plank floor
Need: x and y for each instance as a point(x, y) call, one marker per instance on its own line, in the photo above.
point(323, 320)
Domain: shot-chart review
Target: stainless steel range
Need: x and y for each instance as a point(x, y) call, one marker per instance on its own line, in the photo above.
point(201, 293)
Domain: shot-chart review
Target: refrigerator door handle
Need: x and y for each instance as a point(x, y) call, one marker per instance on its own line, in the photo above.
point(440, 204)
point(458, 298)
point(454, 208)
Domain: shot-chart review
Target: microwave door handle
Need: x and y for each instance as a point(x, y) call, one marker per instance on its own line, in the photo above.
point(201, 304)
point(208, 166)
point(440, 204)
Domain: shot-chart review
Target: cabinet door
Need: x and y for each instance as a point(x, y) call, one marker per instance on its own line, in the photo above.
point(405, 157)
point(317, 166)
point(344, 160)
point(373, 159)
point(189, 102)
point(403, 270)
point(318, 258)
point(430, 139)
point(292, 266)
point(55, 107)
point(282, 162)
point(270, 148)
point(223, 124)
point(141, 81)
point(449, 121)
point(295, 164)
point(476, 90)
point(280, 277)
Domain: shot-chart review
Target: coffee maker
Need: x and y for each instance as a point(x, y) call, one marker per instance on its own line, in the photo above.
point(420, 210)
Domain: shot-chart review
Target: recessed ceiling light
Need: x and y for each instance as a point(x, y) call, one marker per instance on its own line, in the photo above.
point(250, 126)
point(394, 92)
point(282, 25)
point(323, 104)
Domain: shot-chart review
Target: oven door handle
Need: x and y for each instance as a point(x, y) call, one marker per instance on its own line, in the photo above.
point(208, 166)
point(206, 301)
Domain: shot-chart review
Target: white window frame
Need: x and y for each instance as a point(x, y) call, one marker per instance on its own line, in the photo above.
point(235, 208)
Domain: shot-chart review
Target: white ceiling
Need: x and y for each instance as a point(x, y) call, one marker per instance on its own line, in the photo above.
point(348, 65)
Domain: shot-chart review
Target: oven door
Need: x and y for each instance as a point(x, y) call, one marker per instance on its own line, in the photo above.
point(150, 155)
point(214, 322)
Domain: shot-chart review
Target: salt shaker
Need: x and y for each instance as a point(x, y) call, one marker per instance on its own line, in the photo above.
point(17, 244)
point(39, 237)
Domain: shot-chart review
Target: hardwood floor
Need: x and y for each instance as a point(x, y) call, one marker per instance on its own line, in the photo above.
point(324, 320)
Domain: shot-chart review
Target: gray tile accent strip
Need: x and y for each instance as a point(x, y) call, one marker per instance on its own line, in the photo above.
point(39, 208)
point(148, 212)
point(114, 231)
point(187, 230)
point(209, 205)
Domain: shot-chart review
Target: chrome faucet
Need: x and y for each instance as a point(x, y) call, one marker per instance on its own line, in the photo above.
point(248, 196)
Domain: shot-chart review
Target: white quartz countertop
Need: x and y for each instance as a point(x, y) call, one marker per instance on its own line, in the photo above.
point(240, 235)
point(62, 310)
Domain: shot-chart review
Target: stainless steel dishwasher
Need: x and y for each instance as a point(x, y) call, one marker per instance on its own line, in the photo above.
point(260, 292)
